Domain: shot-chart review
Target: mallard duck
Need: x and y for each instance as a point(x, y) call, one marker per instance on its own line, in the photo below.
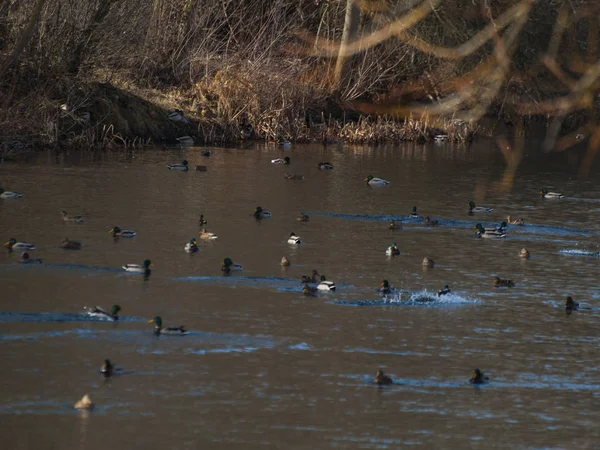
point(24, 258)
point(85, 403)
point(68, 244)
point(309, 290)
point(325, 285)
point(177, 116)
point(183, 166)
point(430, 223)
point(206, 152)
point(392, 250)
point(311, 279)
point(67, 218)
point(478, 377)
point(428, 262)
point(107, 368)
point(261, 214)
point(381, 378)
point(478, 209)
point(8, 194)
point(372, 181)
point(571, 305)
point(294, 240)
point(285, 161)
point(511, 221)
point(139, 268)
point(117, 232)
point(192, 246)
point(285, 262)
point(325, 166)
point(302, 217)
point(99, 313)
point(499, 229)
point(499, 282)
point(289, 176)
point(445, 290)
point(204, 234)
point(229, 266)
point(13, 244)
point(284, 142)
point(395, 226)
point(202, 220)
point(386, 288)
point(414, 214)
point(483, 233)
point(185, 141)
point(524, 253)
point(546, 194)
point(173, 331)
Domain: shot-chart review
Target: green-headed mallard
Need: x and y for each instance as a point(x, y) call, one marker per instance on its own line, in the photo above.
point(183, 166)
point(171, 331)
point(85, 403)
point(478, 209)
point(107, 368)
point(524, 253)
point(428, 262)
point(392, 250)
point(229, 266)
point(499, 282)
point(381, 378)
point(311, 278)
point(325, 166)
point(285, 262)
point(139, 268)
point(430, 223)
point(372, 181)
point(444, 291)
point(325, 285)
point(309, 290)
point(66, 218)
point(26, 259)
point(571, 305)
point(294, 240)
point(8, 194)
point(285, 161)
point(302, 217)
point(499, 229)
point(260, 213)
point(13, 244)
point(202, 220)
point(191, 246)
point(205, 235)
point(68, 244)
point(512, 221)
point(483, 233)
point(545, 194)
point(478, 377)
point(98, 313)
point(386, 288)
point(117, 232)
point(414, 214)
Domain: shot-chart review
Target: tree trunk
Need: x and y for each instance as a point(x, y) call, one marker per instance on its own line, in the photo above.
point(351, 23)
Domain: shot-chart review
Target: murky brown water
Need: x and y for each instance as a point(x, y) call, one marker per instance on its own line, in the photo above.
point(266, 367)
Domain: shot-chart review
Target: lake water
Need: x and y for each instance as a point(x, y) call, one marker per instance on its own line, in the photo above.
point(266, 367)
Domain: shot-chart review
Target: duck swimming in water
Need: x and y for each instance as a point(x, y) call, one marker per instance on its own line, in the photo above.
point(551, 195)
point(191, 246)
point(414, 214)
point(392, 250)
point(478, 209)
point(382, 379)
point(428, 262)
point(98, 313)
point(285, 161)
point(444, 291)
point(309, 290)
point(8, 194)
point(294, 240)
point(524, 253)
point(386, 288)
point(139, 268)
point(183, 166)
point(302, 217)
point(285, 262)
point(311, 279)
point(170, 331)
point(229, 266)
point(512, 221)
point(571, 305)
point(499, 282)
point(372, 181)
point(325, 166)
point(478, 377)
point(394, 226)
point(204, 234)
point(26, 259)
point(430, 223)
point(325, 285)
point(117, 232)
point(483, 233)
point(107, 368)
point(202, 221)
point(13, 244)
point(260, 214)
point(66, 218)
point(68, 244)
point(85, 403)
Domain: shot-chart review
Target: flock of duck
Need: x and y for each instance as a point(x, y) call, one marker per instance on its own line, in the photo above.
point(312, 284)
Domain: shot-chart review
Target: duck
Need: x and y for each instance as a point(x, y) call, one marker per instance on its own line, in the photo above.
point(284, 142)
point(294, 240)
point(185, 141)
point(13, 244)
point(302, 217)
point(204, 234)
point(261, 213)
point(499, 229)
point(325, 166)
point(66, 218)
point(8, 194)
point(392, 250)
point(478, 377)
point(311, 278)
point(192, 246)
point(571, 305)
point(85, 403)
point(325, 285)
point(372, 181)
point(229, 266)
point(98, 313)
point(444, 291)
point(478, 209)
point(289, 176)
point(309, 290)
point(395, 226)
point(512, 221)
point(285, 161)
point(285, 262)
point(206, 152)
point(139, 268)
point(499, 282)
point(430, 223)
point(183, 166)
point(386, 288)
point(414, 214)
point(202, 220)
point(482, 233)
point(545, 194)
point(117, 232)
point(200, 168)
point(524, 253)
point(68, 244)
point(107, 368)
point(24, 258)
point(428, 262)
point(177, 116)
point(172, 331)
point(382, 379)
